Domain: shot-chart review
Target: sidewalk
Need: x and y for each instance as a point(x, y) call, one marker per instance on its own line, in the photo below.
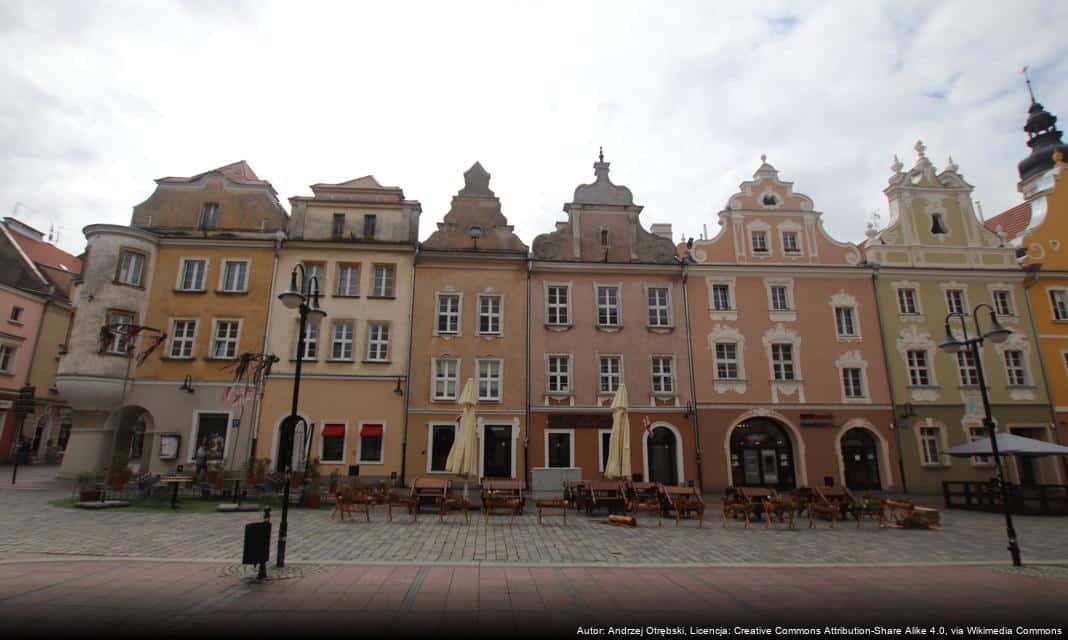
point(176, 598)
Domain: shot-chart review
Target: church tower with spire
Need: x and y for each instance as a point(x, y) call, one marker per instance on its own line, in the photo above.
point(1043, 137)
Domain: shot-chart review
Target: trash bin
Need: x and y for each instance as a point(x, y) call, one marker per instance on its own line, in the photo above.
point(257, 548)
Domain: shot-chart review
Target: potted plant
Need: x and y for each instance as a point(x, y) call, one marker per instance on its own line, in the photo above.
point(312, 497)
point(118, 471)
point(87, 489)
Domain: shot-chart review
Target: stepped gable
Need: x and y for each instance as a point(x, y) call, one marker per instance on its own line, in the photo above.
point(475, 209)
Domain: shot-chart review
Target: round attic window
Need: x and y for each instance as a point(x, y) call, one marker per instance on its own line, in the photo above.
point(770, 200)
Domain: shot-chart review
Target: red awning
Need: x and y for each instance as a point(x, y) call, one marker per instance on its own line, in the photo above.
point(334, 431)
point(371, 431)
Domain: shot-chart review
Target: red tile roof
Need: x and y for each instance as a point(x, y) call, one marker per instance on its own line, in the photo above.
point(44, 252)
point(1013, 221)
point(238, 172)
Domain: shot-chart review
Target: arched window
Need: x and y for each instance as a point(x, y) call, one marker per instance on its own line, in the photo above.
point(761, 455)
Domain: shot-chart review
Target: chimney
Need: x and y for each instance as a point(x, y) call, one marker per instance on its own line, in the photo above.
point(662, 229)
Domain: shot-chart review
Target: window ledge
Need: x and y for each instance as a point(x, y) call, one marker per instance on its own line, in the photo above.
point(933, 387)
point(557, 327)
point(782, 315)
point(788, 381)
point(1028, 387)
point(381, 297)
point(17, 323)
point(493, 400)
point(349, 360)
point(660, 328)
point(447, 335)
point(443, 399)
point(345, 295)
point(849, 338)
point(178, 358)
point(375, 361)
point(227, 292)
point(491, 336)
point(220, 359)
point(609, 328)
point(305, 360)
point(190, 291)
point(370, 462)
point(128, 284)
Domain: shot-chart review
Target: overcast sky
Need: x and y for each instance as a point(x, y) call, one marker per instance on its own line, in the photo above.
point(101, 98)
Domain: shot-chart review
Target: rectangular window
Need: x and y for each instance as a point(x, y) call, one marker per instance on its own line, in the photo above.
point(608, 306)
point(131, 267)
point(852, 383)
point(341, 343)
point(371, 443)
point(663, 374)
point(1003, 302)
point(559, 453)
point(779, 301)
point(209, 216)
point(182, 336)
point(212, 429)
point(782, 361)
point(658, 307)
point(610, 373)
point(721, 297)
point(906, 301)
point(369, 221)
point(224, 344)
point(489, 379)
point(120, 323)
point(977, 434)
point(235, 275)
point(383, 281)
point(489, 315)
point(1014, 368)
point(726, 361)
point(917, 364)
point(378, 342)
point(448, 313)
point(955, 300)
point(558, 309)
point(930, 444)
point(311, 341)
point(446, 378)
point(314, 270)
point(337, 225)
point(844, 322)
point(7, 357)
point(760, 242)
point(1060, 304)
point(559, 373)
point(333, 442)
point(16, 315)
point(441, 439)
point(348, 280)
point(789, 242)
point(192, 278)
point(969, 371)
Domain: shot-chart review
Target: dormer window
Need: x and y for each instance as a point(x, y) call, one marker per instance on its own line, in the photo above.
point(369, 222)
point(209, 216)
point(604, 237)
point(769, 200)
point(938, 226)
point(337, 227)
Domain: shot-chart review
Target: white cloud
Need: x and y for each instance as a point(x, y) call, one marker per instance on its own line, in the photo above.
point(103, 98)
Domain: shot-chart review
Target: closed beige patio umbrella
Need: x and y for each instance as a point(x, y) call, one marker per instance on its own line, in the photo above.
point(618, 465)
point(463, 456)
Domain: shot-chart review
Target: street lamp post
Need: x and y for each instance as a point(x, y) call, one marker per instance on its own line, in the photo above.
point(306, 300)
point(996, 334)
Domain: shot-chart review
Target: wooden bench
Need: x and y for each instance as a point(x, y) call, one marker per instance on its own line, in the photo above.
point(644, 496)
point(502, 494)
point(552, 504)
point(577, 493)
point(399, 499)
point(350, 501)
point(734, 505)
point(770, 503)
point(830, 502)
point(429, 490)
point(684, 502)
point(606, 494)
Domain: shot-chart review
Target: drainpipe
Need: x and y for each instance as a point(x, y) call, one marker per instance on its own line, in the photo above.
point(33, 356)
point(890, 376)
point(526, 427)
point(253, 434)
point(408, 378)
point(693, 384)
point(1045, 373)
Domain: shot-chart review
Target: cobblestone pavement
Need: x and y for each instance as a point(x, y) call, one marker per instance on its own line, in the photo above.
point(135, 598)
point(29, 526)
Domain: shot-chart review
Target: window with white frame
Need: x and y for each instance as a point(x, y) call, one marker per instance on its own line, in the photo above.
point(727, 360)
point(559, 374)
point(382, 283)
point(120, 322)
point(658, 306)
point(191, 277)
point(663, 374)
point(489, 314)
point(311, 341)
point(558, 305)
point(209, 216)
point(608, 306)
point(371, 437)
point(955, 300)
point(721, 297)
point(348, 280)
point(314, 270)
point(341, 341)
point(760, 241)
point(489, 379)
point(779, 299)
point(377, 341)
point(906, 301)
point(977, 434)
point(1014, 368)
point(224, 342)
point(611, 373)
point(930, 445)
point(1059, 299)
point(789, 242)
point(845, 322)
point(7, 357)
point(782, 360)
point(919, 375)
point(448, 313)
point(183, 334)
point(559, 452)
point(333, 443)
point(446, 378)
point(852, 382)
point(969, 369)
point(15, 316)
point(131, 268)
point(441, 438)
point(1002, 302)
point(234, 276)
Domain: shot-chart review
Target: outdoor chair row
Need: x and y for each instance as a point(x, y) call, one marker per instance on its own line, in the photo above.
point(830, 503)
point(621, 496)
